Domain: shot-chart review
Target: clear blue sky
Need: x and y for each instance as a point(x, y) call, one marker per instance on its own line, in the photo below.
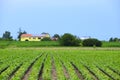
point(96, 18)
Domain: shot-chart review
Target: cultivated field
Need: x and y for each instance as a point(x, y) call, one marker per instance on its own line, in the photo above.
point(61, 63)
point(9, 44)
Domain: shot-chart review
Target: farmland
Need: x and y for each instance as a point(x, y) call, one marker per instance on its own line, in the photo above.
point(71, 63)
point(4, 44)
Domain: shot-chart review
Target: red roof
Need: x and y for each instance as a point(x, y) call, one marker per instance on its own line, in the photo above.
point(26, 35)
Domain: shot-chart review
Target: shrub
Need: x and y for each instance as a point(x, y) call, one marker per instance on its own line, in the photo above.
point(69, 40)
point(46, 39)
point(92, 42)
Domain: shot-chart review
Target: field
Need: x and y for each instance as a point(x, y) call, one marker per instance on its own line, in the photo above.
point(4, 44)
point(111, 44)
point(61, 63)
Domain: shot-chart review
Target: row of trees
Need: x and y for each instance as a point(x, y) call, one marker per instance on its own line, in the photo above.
point(114, 39)
point(71, 40)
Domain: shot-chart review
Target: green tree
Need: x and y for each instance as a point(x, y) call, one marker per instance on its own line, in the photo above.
point(116, 39)
point(20, 32)
point(56, 37)
point(111, 39)
point(92, 42)
point(7, 36)
point(46, 39)
point(69, 40)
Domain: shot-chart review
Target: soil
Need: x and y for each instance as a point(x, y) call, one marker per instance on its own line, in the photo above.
point(67, 76)
point(4, 69)
point(53, 71)
point(14, 71)
point(79, 74)
point(94, 76)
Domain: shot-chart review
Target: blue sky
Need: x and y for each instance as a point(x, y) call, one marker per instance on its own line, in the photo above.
point(96, 18)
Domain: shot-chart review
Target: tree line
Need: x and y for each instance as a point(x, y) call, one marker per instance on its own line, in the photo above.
point(114, 39)
point(65, 40)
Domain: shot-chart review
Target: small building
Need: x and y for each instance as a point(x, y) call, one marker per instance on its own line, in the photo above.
point(30, 37)
point(85, 37)
point(45, 35)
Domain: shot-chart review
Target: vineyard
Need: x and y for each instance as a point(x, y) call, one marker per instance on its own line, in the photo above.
point(59, 64)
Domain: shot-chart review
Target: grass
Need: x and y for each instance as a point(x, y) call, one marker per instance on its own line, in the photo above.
point(4, 44)
point(111, 44)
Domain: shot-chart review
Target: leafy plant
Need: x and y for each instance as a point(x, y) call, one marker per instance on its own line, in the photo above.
point(69, 40)
point(92, 42)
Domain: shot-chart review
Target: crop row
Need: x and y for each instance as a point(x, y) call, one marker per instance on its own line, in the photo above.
point(59, 65)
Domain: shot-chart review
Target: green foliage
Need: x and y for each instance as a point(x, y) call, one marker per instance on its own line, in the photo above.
point(110, 44)
point(69, 40)
point(7, 36)
point(114, 39)
point(63, 56)
point(20, 32)
point(1, 39)
point(56, 37)
point(29, 43)
point(111, 39)
point(4, 44)
point(92, 42)
point(46, 39)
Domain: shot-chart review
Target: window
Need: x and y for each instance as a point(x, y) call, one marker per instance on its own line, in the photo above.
point(39, 37)
point(26, 40)
point(34, 37)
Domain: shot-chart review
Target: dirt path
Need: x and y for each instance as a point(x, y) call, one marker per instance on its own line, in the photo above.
point(29, 69)
point(41, 72)
point(115, 71)
point(14, 71)
point(106, 73)
point(79, 74)
point(94, 76)
point(4, 69)
point(27, 72)
point(41, 69)
point(53, 71)
point(67, 76)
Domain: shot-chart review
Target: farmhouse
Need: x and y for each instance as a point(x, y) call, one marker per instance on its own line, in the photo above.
point(30, 37)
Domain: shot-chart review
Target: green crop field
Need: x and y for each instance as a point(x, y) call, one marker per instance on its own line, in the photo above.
point(61, 63)
point(6, 44)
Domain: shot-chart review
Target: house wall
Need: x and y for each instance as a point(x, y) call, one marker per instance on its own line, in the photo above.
point(30, 39)
point(47, 35)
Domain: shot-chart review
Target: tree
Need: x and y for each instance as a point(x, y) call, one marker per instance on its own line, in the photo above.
point(114, 39)
point(46, 39)
point(56, 37)
point(92, 42)
point(69, 40)
point(7, 36)
point(111, 39)
point(20, 32)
